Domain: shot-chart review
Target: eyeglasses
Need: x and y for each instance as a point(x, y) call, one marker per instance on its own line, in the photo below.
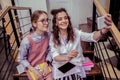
point(44, 21)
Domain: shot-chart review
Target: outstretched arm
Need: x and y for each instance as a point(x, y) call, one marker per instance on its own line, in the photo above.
point(101, 32)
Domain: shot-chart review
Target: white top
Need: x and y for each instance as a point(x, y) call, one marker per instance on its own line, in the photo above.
point(64, 50)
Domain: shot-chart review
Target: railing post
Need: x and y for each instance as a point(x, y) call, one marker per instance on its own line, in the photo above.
point(94, 17)
point(14, 28)
point(93, 22)
point(30, 12)
point(5, 38)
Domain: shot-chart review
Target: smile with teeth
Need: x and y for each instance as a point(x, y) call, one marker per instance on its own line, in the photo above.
point(63, 24)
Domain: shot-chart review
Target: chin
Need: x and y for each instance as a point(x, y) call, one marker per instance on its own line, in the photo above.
point(46, 30)
point(64, 27)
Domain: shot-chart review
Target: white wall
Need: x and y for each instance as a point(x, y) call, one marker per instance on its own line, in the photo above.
point(78, 10)
point(5, 3)
point(35, 4)
point(81, 9)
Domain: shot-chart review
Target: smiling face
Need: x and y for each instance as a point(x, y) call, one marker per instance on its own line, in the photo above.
point(41, 25)
point(62, 20)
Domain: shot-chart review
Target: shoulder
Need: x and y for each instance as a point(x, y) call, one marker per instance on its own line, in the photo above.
point(77, 31)
point(25, 40)
point(49, 33)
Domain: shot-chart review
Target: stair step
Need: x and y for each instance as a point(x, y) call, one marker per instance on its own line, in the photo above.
point(94, 71)
point(88, 52)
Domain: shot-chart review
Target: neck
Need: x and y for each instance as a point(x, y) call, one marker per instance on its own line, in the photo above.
point(39, 32)
point(63, 33)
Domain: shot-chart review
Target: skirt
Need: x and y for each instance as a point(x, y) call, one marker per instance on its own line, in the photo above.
point(72, 77)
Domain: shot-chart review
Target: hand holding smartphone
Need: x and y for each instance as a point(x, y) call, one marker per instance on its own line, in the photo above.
point(101, 23)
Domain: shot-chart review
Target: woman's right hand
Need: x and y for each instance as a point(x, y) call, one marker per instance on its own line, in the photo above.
point(37, 73)
point(73, 53)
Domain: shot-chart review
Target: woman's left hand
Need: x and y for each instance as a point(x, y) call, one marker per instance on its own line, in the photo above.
point(108, 22)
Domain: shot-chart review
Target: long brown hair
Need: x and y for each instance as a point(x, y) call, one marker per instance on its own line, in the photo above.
point(55, 31)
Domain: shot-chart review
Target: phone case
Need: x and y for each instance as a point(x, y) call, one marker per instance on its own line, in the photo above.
point(66, 67)
point(100, 22)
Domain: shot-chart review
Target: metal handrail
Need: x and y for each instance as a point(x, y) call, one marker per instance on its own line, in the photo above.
point(6, 9)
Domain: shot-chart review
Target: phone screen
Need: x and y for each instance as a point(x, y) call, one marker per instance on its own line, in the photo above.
point(66, 67)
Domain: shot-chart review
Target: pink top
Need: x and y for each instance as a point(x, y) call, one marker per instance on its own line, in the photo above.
point(37, 51)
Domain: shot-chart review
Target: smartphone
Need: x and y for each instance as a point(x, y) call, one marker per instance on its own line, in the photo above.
point(66, 67)
point(100, 22)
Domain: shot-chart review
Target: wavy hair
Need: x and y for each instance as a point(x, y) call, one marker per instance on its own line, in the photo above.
point(56, 38)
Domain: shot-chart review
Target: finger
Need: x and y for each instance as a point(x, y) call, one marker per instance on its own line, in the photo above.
point(108, 23)
point(38, 76)
point(108, 18)
point(71, 56)
point(40, 73)
point(74, 51)
point(44, 74)
point(108, 28)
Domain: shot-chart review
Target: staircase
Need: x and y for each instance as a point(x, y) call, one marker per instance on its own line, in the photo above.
point(87, 51)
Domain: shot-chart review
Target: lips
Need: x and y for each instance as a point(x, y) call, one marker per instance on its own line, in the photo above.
point(46, 26)
point(64, 23)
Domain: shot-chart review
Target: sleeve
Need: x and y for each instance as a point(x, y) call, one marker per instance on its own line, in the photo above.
point(23, 52)
point(53, 50)
point(49, 56)
point(84, 36)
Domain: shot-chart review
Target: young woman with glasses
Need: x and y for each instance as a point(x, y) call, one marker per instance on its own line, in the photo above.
point(34, 48)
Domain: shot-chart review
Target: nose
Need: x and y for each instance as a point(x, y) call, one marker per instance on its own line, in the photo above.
point(46, 22)
point(63, 20)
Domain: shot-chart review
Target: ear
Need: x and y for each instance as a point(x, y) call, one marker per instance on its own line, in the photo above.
point(34, 24)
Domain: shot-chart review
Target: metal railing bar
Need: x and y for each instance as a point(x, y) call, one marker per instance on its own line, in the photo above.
point(2, 49)
point(24, 17)
point(13, 44)
point(24, 25)
point(7, 24)
point(11, 7)
point(113, 49)
point(13, 26)
point(110, 61)
point(104, 60)
point(11, 33)
point(3, 65)
point(100, 63)
point(1, 33)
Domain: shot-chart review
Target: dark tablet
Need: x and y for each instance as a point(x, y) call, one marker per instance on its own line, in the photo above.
point(66, 67)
